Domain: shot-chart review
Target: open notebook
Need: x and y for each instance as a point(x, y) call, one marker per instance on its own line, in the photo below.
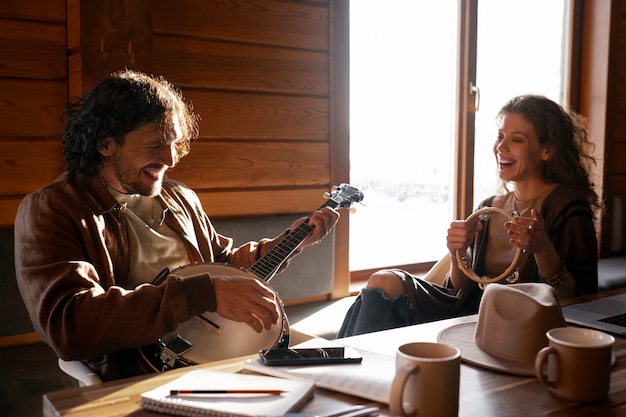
point(606, 314)
point(294, 395)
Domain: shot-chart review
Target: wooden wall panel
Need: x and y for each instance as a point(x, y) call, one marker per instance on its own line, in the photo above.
point(106, 36)
point(241, 67)
point(259, 116)
point(621, 95)
point(620, 128)
point(8, 210)
point(248, 165)
point(260, 202)
point(48, 10)
point(28, 165)
point(271, 22)
point(619, 184)
point(32, 50)
point(619, 152)
point(33, 94)
point(31, 108)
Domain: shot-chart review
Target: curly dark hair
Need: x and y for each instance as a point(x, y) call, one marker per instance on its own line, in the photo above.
point(118, 105)
point(565, 132)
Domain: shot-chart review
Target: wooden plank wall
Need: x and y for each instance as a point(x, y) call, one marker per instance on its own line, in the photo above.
point(33, 92)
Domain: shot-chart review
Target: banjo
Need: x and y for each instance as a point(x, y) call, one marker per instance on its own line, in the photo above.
point(209, 337)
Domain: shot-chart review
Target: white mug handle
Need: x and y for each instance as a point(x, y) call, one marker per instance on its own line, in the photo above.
point(540, 360)
point(397, 390)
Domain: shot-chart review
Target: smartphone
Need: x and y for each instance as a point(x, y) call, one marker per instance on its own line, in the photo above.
point(309, 356)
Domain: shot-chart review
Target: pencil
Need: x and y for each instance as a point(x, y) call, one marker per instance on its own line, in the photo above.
point(226, 391)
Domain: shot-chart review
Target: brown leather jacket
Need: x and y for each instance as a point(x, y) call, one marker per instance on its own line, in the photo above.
point(72, 262)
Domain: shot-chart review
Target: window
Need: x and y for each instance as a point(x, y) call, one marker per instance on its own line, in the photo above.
point(511, 60)
point(403, 76)
point(401, 129)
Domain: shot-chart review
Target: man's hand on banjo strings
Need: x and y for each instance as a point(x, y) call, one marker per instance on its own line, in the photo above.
point(246, 300)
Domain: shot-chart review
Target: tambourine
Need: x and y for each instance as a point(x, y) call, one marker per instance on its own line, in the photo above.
point(466, 266)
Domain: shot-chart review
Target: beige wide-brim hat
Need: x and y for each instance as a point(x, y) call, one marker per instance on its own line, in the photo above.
point(510, 329)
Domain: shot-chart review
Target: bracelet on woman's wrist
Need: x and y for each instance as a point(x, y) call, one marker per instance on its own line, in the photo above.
point(558, 279)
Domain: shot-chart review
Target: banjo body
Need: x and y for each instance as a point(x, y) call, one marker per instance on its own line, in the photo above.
point(210, 337)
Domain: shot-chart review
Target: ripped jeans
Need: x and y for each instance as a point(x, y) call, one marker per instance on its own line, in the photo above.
point(374, 310)
point(421, 302)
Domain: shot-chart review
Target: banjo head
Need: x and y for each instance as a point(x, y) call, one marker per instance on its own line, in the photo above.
point(210, 337)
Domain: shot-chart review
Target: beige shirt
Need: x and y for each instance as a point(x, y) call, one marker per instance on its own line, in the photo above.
point(153, 244)
point(500, 252)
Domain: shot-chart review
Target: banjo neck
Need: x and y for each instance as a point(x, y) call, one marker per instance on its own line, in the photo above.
point(265, 268)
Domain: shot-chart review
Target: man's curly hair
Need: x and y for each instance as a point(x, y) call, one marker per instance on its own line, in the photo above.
point(118, 105)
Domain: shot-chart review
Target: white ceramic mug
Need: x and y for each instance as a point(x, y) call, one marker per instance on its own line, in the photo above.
point(576, 364)
point(426, 381)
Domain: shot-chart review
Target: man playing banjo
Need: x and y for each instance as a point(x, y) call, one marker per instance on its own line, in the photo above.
point(89, 246)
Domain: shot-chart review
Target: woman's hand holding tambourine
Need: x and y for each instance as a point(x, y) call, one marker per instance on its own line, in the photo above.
point(460, 238)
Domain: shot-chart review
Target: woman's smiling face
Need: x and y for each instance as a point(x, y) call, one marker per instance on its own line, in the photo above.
point(517, 150)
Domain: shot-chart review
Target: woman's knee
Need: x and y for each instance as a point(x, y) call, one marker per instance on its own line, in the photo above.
point(388, 282)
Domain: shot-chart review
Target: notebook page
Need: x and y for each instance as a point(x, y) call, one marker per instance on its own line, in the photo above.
point(236, 405)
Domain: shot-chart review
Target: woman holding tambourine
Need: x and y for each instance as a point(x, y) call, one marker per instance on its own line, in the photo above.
point(539, 228)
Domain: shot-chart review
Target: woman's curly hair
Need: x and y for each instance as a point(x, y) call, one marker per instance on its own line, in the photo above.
point(118, 105)
point(565, 133)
